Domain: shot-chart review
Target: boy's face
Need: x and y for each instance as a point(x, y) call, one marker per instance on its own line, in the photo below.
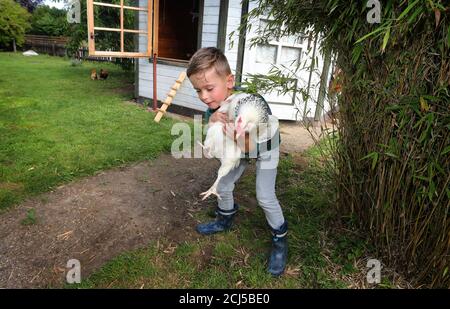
point(211, 87)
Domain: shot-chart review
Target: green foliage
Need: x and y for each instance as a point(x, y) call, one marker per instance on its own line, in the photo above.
point(49, 21)
point(30, 218)
point(392, 158)
point(14, 22)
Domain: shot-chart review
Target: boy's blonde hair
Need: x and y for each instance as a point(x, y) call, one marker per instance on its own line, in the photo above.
point(206, 58)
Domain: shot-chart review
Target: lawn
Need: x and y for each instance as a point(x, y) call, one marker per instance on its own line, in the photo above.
point(56, 124)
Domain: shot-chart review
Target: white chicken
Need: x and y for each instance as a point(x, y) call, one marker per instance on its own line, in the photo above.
point(248, 112)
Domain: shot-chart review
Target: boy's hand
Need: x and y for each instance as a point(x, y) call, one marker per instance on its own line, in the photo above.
point(229, 130)
point(217, 116)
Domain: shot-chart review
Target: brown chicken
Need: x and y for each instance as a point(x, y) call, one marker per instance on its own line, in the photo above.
point(103, 74)
point(94, 74)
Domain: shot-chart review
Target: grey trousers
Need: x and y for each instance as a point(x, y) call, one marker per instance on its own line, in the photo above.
point(266, 174)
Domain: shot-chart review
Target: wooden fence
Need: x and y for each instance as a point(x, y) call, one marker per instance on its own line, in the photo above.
point(56, 46)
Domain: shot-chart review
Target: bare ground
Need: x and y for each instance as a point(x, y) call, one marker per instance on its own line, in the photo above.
point(96, 218)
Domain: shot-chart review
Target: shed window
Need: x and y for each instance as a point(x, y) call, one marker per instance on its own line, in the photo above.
point(119, 28)
point(178, 28)
point(172, 31)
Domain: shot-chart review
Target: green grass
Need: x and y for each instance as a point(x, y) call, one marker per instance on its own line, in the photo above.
point(238, 259)
point(56, 124)
point(30, 219)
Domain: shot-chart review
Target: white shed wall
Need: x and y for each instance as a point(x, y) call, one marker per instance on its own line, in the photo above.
point(167, 74)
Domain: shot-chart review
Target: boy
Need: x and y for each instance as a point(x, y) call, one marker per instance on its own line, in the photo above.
point(210, 74)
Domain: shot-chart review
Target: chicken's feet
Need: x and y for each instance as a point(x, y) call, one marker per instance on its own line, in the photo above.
point(206, 150)
point(212, 190)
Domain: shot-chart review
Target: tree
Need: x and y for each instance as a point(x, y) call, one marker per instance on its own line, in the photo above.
point(49, 21)
point(14, 22)
point(30, 5)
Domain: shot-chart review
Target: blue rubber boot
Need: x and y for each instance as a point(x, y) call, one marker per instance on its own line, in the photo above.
point(278, 256)
point(222, 223)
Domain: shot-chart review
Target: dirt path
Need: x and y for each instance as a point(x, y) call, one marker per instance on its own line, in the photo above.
point(98, 217)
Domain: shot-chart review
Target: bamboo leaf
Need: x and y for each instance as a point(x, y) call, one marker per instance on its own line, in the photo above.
point(448, 36)
point(409, 8)
point(332, 9)
point(437, 16)
point(374, 156)
point(393, 107)
point(374, 160)
point(439, 168)
point(431, 190)
point(370, 34)
point(446, 150)
point(413, 17)
point(421, 178)
point(430, 98)
point(356, 53)
point(390, 154)
point(385, 39)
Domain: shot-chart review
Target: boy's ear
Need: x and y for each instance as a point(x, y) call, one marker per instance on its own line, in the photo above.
point(230, 81)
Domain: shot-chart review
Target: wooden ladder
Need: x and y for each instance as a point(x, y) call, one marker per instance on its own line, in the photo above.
point(170, 96)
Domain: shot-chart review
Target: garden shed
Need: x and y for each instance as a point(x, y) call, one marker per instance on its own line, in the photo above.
point(180, 28)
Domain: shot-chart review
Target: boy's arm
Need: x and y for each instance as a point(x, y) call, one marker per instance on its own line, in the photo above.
point(212, 115)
